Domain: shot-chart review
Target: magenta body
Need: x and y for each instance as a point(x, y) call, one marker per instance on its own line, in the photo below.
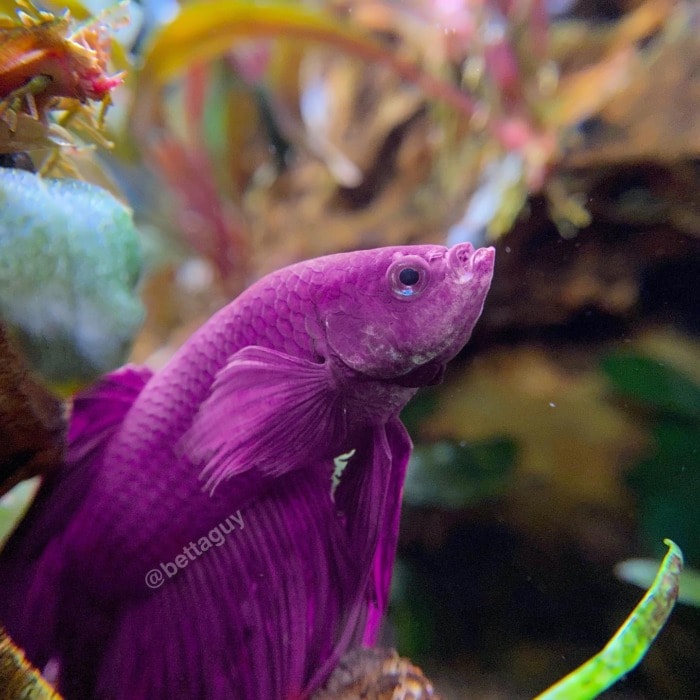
point(242, 427)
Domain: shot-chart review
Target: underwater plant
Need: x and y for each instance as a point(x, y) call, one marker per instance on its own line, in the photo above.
point(55, 85)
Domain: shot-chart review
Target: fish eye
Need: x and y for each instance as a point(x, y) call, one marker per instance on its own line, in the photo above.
point(408, 276)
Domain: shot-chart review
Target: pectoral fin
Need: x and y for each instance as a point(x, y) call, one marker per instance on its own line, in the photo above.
point(267, 411)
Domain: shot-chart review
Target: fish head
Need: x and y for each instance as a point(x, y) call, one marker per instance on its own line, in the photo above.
point(401, 313)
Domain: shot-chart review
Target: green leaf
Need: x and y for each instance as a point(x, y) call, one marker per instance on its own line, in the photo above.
point(642, 572)
point(650, 382)
point(631, 642)
point(456, 475)
point(13, 505)
point(70, 260)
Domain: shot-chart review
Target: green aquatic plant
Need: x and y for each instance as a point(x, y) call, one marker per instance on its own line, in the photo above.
point(641, 572)
point(13, 506)
point(631, 642)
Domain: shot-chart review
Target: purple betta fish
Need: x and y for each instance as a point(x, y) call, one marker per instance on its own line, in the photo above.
point(200, 540)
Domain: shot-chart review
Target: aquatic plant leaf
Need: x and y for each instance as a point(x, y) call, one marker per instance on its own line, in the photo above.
point(645, 121)
point(654, 383)
point(13, 506)
point(204, 30)
point(642, 572)
point(18, 678)
point(451, 474)
point(76, 8)
point(583, 92)
point(55, 81)
point(70, 261)
point(42, 45)
point(631, 642)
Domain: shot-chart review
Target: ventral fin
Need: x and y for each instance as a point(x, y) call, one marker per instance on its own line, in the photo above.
point(267, 411)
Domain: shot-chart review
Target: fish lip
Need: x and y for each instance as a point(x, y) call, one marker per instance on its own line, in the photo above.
point(464, 262)
point(484, 260)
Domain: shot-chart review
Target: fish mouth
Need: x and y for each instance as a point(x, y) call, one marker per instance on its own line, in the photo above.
point(464, 262)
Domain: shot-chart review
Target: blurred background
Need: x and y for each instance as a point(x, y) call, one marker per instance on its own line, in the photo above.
point(565, 440)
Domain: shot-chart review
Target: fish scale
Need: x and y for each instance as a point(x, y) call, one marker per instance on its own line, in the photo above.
point(165, 405)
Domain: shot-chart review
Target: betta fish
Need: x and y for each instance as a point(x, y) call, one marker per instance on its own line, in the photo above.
point(226, 527)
